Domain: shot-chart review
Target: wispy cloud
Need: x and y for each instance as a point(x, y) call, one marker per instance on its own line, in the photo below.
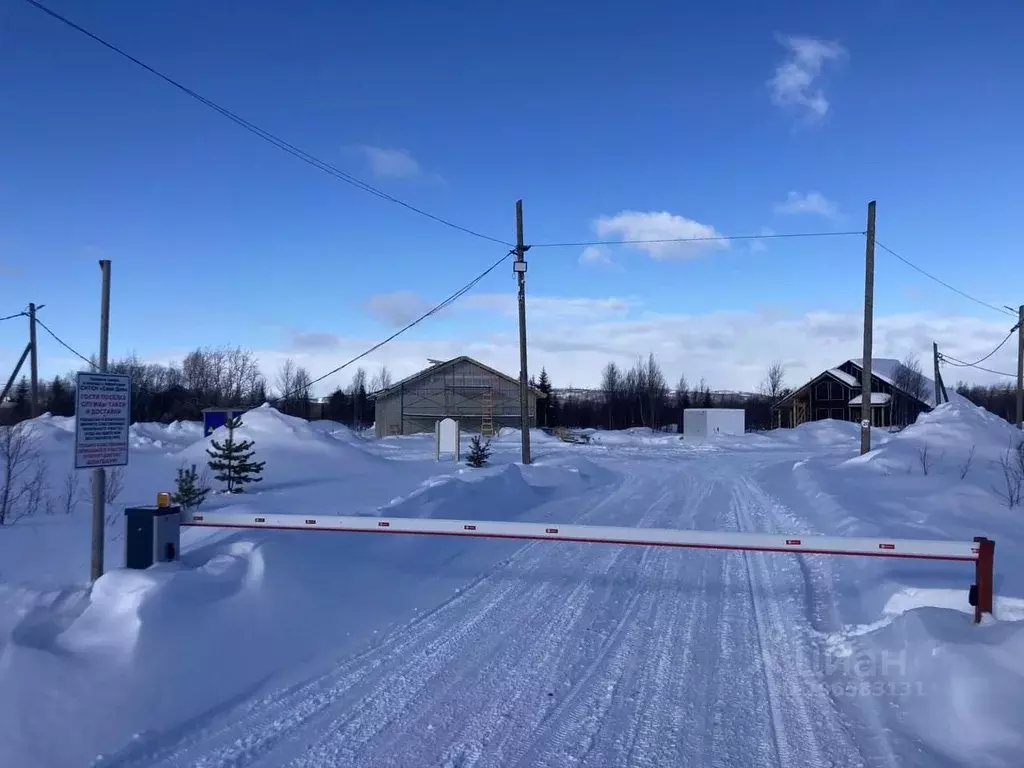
point(796, 80)
point(760, 246)
point(661, 225)
point(811, 202)
point(388, 163)
point(398, 308)
point(596, 255)
point(731, 349)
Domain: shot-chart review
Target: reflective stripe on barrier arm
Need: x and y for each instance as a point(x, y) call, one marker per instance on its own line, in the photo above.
point(981, 550)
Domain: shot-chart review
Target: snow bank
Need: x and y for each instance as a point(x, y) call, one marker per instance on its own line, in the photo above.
point(952, 434)
point(955, 685)
point(136, 652)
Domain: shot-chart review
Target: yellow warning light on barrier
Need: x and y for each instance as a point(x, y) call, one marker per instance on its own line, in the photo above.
point(163, 500)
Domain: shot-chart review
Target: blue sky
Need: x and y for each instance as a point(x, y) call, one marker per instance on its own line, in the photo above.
point(608, 121)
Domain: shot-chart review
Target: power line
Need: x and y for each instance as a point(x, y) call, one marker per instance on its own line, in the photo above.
point(263, 134)
point(433, 311)
point(959, 364)
point(712, 238)
point(986, 357)
point(943, 282)
point(64, 344)
point(11, 317)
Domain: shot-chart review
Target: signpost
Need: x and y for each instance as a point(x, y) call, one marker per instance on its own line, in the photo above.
point(102, 415)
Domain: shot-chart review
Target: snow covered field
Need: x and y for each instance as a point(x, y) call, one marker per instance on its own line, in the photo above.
point(276, 648)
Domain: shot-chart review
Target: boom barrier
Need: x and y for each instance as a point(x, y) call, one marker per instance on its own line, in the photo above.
point(981, 551)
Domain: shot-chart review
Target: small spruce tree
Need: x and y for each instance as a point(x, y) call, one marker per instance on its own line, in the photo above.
point(232, 461)
point(189, 494)
point(479, 452)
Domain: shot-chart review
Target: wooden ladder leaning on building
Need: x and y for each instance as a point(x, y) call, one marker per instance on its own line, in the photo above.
point(487, 418)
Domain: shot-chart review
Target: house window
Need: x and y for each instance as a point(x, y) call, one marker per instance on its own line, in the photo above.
point(837, 413)
point(822, 414)
point(821, 391)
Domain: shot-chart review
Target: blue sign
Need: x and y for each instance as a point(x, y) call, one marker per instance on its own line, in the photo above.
point(214, 420)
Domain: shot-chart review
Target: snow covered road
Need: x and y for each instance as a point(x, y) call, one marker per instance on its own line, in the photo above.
point(581, 654)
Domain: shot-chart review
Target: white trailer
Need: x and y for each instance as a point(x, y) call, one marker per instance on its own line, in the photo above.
point(702, 423)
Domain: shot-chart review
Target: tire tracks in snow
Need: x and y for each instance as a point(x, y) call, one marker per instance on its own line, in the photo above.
point(861, 716)
point(501, 653)
point(632, 673)
point(795, 688)
point(247, 735)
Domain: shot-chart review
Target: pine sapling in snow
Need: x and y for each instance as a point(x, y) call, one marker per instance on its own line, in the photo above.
point(189, 494)
point(232, 460)
point(479, 452)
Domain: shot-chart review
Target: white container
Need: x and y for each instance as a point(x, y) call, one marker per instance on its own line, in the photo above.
point(701, 423)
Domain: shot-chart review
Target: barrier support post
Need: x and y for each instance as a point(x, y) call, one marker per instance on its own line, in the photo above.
point(981, 591)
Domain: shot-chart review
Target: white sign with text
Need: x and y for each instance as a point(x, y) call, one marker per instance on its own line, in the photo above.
point(102, 416)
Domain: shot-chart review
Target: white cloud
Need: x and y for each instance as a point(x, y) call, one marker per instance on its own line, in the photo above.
point(398, 308)
point(760, 246)
point(660, 225)
point(575, 337)
point(391, 163)
point(795, 83)
point(552, 308)
point(595, 254)
point(812, 202)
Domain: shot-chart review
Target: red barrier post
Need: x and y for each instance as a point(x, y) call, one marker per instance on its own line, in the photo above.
point(983, 577)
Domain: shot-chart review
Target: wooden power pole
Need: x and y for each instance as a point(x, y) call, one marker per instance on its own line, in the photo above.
point(869, 307)
point(519, 266)
point(99, 475)
point(33, 361)
point(1020, 367)
point(938, 379)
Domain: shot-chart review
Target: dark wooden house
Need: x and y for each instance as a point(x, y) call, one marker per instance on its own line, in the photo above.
point(836, 394)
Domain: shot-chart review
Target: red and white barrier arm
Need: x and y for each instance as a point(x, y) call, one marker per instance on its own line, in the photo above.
point(665, 537)
point(981, 550)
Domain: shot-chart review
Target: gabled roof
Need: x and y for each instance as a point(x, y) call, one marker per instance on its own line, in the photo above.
point(885, 369)
point(834, 373)
point(882, 368)
point(448, 364)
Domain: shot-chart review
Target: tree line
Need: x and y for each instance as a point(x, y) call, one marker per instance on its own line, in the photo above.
point(634, 396)
point(210, 377)
point(640, 396)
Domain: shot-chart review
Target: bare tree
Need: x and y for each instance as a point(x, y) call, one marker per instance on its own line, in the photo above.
point(285, 382)
point(114, 485)
point(656, 390)
point(71, 495)
point(381, 379)
point(1012, 465)
point(301, 384)
point(358, 380)
point(965, 468)
point(611, 387)
point(22, 474)
point(908, 378)
point(774, 381)
point(358, 390)
point(925, 459)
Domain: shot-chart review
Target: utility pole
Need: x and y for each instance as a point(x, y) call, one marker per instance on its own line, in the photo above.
point(1020, 367)
point(14, 375)
point(938, 380)
point(99, 475)
point(519, 267)
point(33, 361)
point(869, 306)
